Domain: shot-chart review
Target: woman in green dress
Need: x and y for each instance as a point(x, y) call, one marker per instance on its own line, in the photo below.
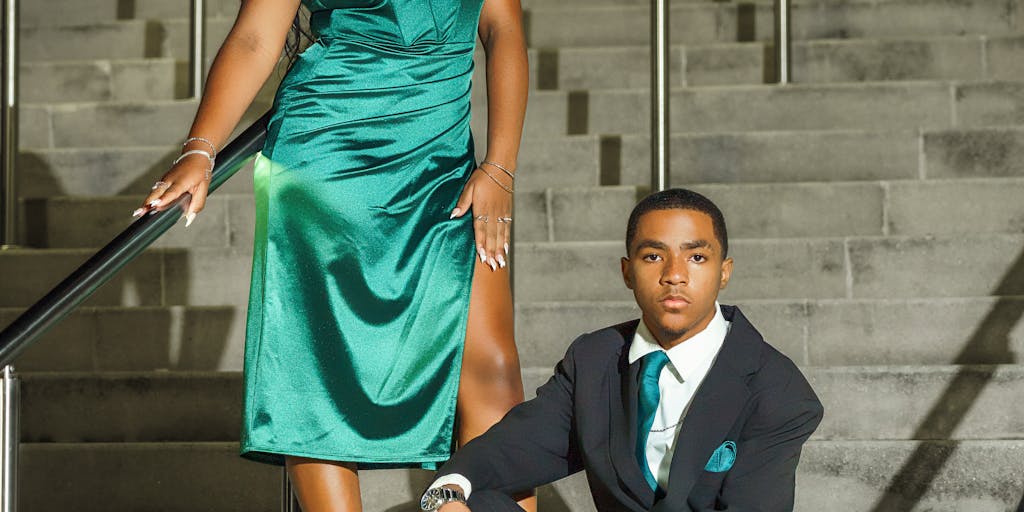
point(380, 300)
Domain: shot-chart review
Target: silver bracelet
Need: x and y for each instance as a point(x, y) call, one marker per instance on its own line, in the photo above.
point(213, 162)
point(201, 139)
point(511, 174)
point(500, 184)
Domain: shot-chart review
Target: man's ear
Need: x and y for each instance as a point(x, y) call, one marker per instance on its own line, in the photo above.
point(726, 273)
point(627, 276)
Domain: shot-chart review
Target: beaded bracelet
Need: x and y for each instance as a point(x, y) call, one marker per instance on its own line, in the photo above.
point(205, 141)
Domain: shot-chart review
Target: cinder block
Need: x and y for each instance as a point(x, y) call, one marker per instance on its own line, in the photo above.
point(957, 266)
point(972, 400)
point(569, 271)
point(208, 276)
point(964, 206)
point(133, 476)
point(975, 152)
point(600, 213)
point(124, 124)
point(135, 407)
point(622, 67)
point(941, 476)
point(799, 210)
point(113, 339)
point(988, 104)
point(876, 60)
point(1003, 61)
point(984, 330)
point(558, 161)
point(786, 269)
point(65, 81)
point(27, 274)
point(149, 79)
point(544, 330)
point(547, 115)
point(531, 217)
point(93, 172)
point(617, 26)
point(777, 157)
point(34, 129)
point(128, 39)
point(770, 108)
point(99, 220)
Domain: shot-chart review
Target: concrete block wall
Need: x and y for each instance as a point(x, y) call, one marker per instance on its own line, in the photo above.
point(876, 209)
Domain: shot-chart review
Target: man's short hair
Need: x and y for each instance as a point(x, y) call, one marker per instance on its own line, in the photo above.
point(681, 199)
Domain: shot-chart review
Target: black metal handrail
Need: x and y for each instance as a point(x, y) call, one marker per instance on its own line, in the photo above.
point(102, 266)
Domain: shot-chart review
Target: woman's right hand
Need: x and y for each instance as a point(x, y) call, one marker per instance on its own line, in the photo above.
point(188, 175)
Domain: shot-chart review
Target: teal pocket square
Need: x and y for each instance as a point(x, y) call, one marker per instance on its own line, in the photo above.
point(723, 458)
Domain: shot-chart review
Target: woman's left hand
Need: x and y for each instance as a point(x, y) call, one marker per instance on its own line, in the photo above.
point(491, 206)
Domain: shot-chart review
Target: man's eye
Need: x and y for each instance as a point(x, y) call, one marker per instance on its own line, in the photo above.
point(651, 257)
point(699, 258)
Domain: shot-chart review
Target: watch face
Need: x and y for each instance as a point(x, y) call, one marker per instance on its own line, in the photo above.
point(431, 500)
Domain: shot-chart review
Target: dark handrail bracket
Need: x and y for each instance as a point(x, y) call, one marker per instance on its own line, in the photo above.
point(102, 266)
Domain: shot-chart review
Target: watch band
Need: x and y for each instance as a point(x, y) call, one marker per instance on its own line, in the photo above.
point(434, 498)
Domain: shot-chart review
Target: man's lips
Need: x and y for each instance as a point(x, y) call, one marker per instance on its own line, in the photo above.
point(674, 301)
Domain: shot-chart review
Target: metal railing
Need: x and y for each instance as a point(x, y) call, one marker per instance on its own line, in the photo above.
point(197, 48)
point(9, 127)
point(661, 125)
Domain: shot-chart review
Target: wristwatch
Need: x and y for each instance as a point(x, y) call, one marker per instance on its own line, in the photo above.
point(434, 498)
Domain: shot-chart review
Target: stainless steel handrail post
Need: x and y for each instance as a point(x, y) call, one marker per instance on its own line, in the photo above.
point(9, 439)
point(783, 42)
point(9, 127)
point(197, 48)
point(660, 91)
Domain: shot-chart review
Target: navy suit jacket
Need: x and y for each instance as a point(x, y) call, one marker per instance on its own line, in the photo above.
point(583, 418)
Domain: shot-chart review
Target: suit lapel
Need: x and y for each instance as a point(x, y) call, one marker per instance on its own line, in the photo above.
point(622, 402)
point(716, 405)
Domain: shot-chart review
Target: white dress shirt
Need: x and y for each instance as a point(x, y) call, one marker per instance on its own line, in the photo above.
point(688, 363)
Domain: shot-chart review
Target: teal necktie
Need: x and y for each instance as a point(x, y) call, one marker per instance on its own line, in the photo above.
point(650, 370)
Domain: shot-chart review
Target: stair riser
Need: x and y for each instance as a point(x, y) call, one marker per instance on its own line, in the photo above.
point(851, 476)
point(827, 268)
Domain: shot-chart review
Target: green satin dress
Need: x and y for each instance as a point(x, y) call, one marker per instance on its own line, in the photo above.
point(360, 281)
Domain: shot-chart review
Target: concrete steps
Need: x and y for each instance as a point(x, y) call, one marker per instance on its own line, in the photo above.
point(823, 332)
point(927, 331)
point(848, 475)
point(828, 268)
point(613, 67)
point(591, 160)
point(783, 210)
point(202, 407)
point(874, 210)
point(812, 268)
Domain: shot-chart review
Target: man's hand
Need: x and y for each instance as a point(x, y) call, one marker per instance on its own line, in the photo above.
point(454, 507)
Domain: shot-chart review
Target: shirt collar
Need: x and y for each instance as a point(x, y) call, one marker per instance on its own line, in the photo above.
point(689, 356)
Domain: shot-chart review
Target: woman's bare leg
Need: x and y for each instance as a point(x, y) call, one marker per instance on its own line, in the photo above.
point(491, 382)
point(324, 486)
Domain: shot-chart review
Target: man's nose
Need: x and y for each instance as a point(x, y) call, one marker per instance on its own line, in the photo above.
point(675, 271)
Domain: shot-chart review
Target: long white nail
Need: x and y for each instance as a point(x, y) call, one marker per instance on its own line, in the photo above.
point(493, 265)
point(455, 212)
point(501, 261)
point(189, 218)
point(139, 212)
point(482, 253)
point(153, 202)
point(506, 247)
